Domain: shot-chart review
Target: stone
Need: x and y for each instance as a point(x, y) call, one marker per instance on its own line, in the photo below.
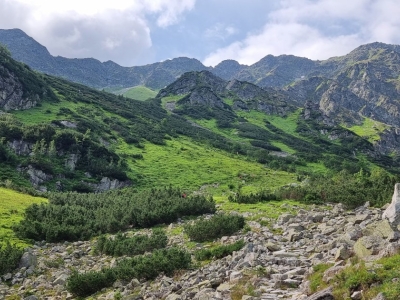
point(357, 295)
point(369, 245)
point(325, 294)
point(331, 273)
point(61, 280)
point(224, 287)
point(173, 297)
point(382, 229)
point(284, 218)
point(235, 276)
point(7, 277)
point(342, 253)
point(272, 246)
point(379, 297)
point(392, 213)
point(28, 260)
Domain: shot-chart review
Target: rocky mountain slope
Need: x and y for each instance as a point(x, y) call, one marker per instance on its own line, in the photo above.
point(278, 261)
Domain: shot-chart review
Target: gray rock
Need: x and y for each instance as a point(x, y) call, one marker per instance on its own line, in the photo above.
point(12, 96)
point(379, 297)
point(357, 295)
point(61, 280)
point(392, 213)
point(69, 124)
point(272, 246)
point(37, 177)
point(71, 161)
point(343, 253)
point(369, 245)
point(20, 147)
point(325, 294)
point(331, 273)
point(28, 260)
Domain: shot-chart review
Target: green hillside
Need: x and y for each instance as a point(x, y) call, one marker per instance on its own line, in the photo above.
point(139, 93)
point(12, 207)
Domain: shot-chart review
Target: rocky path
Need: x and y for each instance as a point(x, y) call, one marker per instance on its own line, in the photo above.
point(273, 265)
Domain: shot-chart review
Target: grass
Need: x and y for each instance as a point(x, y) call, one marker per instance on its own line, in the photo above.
point(288, 124)
point(230, 133)
point(378, 277)
point(283, 147)
point(270, 210)
point(45, 113)
point(12, 206)
point(369, 129)
point(189, 165)
point(139, 93)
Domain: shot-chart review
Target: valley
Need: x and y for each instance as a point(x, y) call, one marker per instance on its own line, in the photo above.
point(298, 158)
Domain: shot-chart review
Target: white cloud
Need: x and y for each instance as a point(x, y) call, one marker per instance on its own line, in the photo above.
point(220, 31)
point(115, 30)
point(317, 29)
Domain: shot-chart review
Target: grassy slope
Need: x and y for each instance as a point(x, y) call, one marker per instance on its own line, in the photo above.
point(190, 165)
point(140, 93)
point(370, 129)
point(12, 206)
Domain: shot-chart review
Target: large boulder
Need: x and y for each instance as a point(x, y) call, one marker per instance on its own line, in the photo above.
point(382, 229)
point(392, 213)
point(369, 245)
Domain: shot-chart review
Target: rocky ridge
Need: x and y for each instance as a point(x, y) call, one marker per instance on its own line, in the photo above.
point(274, 264)
point(206, 89)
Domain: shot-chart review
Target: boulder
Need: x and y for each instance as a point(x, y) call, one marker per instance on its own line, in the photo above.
point(382, 229)
point(28, 260)
point(325, 294)
point(369, 245)
point(392, 213)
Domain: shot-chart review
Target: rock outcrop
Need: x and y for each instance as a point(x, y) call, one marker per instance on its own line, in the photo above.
point(392, 213)
point(12, 95)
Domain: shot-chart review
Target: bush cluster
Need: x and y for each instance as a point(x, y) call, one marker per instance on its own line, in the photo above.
point(138, 244)
point(350, 189)
point(73, 216)
point(219, 251)
point(165, 261)
point(10, 256)
point(262, 196)
point(215, 227)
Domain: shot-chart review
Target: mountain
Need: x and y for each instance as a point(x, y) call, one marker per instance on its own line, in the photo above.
point(90, 71)
point(76, 138)
point(362, 84)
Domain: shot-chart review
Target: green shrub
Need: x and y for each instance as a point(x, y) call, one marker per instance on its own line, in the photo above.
point(10, 256)
point(219, 251)
point(74, 216)
point(216, 227)
point(138, 244)
point(262, 196)
point(85, 284)
point(165, 261)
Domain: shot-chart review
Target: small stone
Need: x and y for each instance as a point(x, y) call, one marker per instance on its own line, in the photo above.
point(357, 295)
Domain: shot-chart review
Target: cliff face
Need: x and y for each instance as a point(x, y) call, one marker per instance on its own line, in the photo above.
point(11, 93)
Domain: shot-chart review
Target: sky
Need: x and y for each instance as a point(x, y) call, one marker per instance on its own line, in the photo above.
point(139, 32)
